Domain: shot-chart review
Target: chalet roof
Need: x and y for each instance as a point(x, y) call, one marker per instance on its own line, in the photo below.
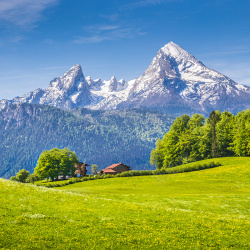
point(114, 165)
point(108, 170)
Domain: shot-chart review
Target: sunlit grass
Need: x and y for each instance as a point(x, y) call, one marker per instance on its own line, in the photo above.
point(206, 209)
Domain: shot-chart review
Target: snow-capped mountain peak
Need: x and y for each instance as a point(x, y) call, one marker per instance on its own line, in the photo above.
point(112, 84)
point(69, 80)
point(174, 50)
point(175, 82)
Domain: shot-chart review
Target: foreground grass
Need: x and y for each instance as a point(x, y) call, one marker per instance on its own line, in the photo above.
point(207, 209)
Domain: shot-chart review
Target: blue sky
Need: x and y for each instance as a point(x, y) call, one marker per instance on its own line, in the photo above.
point(41, 39)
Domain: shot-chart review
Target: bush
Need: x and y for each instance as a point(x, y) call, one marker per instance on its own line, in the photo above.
point(13, 178)
point(21, 176)
point(126, 174)
point(109, 176)
point(146, 172)
point(174, 170)
point(136, 173)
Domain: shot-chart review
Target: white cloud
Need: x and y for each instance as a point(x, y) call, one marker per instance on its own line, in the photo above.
point(23, 12)
point(109, 33)
point(112, 17)
point(145, 3)
point(100, 28)
point(17, 39)
point(90, 39)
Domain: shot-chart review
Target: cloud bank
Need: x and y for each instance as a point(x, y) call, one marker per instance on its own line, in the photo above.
point(24, 12)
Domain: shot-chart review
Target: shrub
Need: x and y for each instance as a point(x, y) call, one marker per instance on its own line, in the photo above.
point(146, 172)
point(13, 178)
point(109, 176)
point(136, 173)
point(126, 174)
point(174, 170)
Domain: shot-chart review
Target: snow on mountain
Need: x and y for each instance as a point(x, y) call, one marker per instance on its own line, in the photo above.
point(175, 83)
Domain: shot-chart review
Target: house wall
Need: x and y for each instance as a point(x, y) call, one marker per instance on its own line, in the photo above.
point(120, 169)
point(113, 173)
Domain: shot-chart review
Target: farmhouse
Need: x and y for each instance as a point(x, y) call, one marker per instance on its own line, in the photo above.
point(115, 169)
point(80, 169)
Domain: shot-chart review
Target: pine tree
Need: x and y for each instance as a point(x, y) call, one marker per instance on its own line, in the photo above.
point(213, 119)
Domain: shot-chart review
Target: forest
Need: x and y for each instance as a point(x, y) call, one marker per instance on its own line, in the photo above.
point(97, 137)
point(196, 138)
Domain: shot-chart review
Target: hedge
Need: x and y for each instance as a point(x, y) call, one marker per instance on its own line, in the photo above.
point(174, 170)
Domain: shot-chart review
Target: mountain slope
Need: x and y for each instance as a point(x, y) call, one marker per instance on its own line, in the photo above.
point(98, 137)
point(174, 83)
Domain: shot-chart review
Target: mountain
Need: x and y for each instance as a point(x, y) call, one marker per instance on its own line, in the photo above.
point(97, 137)
point(71, 90)
point(174, 83)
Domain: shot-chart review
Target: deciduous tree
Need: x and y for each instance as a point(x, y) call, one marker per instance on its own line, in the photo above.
point(94, 169)
point(55, 162)
point(22, 175)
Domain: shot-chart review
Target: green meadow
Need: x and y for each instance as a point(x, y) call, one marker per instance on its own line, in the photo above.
point(207, 209)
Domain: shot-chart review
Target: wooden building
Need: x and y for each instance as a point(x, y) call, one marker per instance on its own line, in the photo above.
point(115, 169)
point(80, 169)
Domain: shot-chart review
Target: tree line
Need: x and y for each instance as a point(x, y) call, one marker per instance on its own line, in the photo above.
point(196, 138)
point(101, 137)
point(52, 164)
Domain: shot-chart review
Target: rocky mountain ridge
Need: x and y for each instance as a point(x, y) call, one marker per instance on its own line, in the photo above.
point(174, 83)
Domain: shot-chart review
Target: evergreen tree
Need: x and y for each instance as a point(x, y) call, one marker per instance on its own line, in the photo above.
point(190, 139)
point(213, 119)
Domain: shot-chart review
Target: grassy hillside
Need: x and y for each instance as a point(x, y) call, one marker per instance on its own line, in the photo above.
point(206, 209)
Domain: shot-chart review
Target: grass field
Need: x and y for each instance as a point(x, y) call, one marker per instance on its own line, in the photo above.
point(206, 209)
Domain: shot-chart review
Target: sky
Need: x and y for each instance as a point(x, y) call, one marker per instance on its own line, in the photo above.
point(40, 40)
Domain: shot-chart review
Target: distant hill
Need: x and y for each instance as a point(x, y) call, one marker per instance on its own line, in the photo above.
point(97, 137)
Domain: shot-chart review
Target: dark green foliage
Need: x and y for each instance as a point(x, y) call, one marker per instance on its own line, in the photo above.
point(55, 162)
point(225, 134)
point(100, 137)
point(13, 178)
point(190, 139)
point(213, 119)
point(241, 143)
point(21, 176)
point(33, 177)
point(180, 144)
